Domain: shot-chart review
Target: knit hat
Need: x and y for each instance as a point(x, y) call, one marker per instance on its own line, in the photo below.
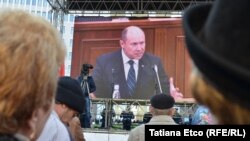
point(69, 92)
point(162, 101)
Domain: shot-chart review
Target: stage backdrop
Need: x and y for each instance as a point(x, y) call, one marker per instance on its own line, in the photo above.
point(164, 38)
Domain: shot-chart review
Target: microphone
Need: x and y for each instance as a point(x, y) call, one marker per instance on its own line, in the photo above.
point(113, 79)
point(113, 71)
point(113, 75)
point(155, 68)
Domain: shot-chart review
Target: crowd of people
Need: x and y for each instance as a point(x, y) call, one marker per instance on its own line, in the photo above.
point(37, 104)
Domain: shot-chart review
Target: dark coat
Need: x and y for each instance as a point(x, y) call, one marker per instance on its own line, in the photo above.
point(91, 84)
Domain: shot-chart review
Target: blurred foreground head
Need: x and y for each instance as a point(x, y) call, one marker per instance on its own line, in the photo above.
point(217, 37)
point(31, 52)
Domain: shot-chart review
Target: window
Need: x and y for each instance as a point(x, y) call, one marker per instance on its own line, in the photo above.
point(72, 17)
point(22, 2)
point(69, 68)
point(72, 30)
point(70, 43)
point(27, 2)
point(69, 55)
point(34, 2)
point(44, 14)
point(66, 18)
point(45, 3)
point(63, 29)
point(38, 13)
point(39, 3)
point(49, 16)
point(16, 1)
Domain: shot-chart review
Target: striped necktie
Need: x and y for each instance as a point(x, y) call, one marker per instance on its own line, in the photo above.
point(131, 78)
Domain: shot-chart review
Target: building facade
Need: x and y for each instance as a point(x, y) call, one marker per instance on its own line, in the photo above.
point(43, 9)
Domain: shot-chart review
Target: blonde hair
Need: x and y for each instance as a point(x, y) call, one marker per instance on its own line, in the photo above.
point(226, 111)
point(31, 51)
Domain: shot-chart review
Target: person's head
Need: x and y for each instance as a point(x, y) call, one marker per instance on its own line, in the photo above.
point(133, 42)
point(217, 38)
point(202, 116)
point(69, 99)
point(162, 104)
point(31, 52)
point(85, 69)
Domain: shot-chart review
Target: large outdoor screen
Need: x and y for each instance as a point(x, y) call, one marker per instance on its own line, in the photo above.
point(97, 42)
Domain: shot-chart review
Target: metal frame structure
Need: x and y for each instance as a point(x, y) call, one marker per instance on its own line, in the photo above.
point(118, 8)
point(185, 106)
point(57, 11)
point(134, 7)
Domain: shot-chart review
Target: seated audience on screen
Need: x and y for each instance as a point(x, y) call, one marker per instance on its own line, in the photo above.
point(217, 37)
point(162, 111)
point(133, 69)
point(31, 52)
point(177, 116)
point(146, 117)
point(63, 125)
point(109, 120)
point(127, 115)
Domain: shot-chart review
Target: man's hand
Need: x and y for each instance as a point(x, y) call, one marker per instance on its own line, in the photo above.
point(92, 96)
point(175, 92)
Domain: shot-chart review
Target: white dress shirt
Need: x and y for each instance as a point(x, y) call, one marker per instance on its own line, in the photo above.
point(54, 130)
point(127, 66)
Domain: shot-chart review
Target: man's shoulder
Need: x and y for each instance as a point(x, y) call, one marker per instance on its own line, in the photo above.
point(137, 133)
point(109, 55)
point(149, 58)
point(139, 128)
point(148, 55)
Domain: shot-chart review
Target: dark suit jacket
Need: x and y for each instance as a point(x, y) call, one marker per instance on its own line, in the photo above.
point(146, 80)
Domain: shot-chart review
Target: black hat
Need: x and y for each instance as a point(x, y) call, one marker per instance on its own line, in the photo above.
point(162, 101)
point(217, 37)
point(69, 92)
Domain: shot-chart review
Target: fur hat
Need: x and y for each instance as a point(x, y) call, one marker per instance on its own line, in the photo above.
point(217, 37)
point(69, 92)
point(162, 101)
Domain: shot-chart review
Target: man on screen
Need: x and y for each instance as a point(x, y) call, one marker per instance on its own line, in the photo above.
point(131, 68)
